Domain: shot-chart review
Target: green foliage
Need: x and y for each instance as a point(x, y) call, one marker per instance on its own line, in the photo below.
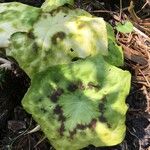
point(59, 38)
point(127, 27)
point(80, 104)
point(15, 17)
point(76, 93)
point(115, 53)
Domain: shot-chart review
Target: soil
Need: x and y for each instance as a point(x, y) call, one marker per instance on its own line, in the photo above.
point(15, 122)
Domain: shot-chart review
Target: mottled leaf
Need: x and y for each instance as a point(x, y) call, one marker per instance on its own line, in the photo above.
point(80, 103)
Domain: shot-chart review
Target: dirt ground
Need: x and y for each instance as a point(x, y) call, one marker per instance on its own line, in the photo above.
point(15, 122)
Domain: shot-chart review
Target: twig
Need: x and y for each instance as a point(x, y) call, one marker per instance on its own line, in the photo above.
point(133, 133)
point(37, 128)
point(40, 141)
point(141, 33)
point(144, 77)
point(132, 12)
point(147, 3)
point(20, 135)
point(120, 9)
point(143, 83)
point(102, 11)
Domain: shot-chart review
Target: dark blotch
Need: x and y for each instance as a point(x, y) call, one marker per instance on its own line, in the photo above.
point(102, 119)
point(60, 91)
point(39, 99)
point(72, 133)
point(58, 35)
point(71, 50)
point(54, 98)
point(101, 108)
point(92, 85)
point(108, 125)
point(43, 110)
point(62, 129)
point(35, 48)
point(31, 35)
point(55, 95)
point(81, 86)
point(72, 87)
point(75, 59)
point(62, 118)
point(92, 124)
point(57, 109)
point(81, 126)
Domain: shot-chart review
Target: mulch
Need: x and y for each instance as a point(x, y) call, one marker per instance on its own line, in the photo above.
point(15, 123)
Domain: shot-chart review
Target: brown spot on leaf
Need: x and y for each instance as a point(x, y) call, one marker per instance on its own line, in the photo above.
point(72, 133)
point(108, 125)
point(62, 129)
point(75, 59)
point(72, 87)
point(81, 126)
point(55, 95)
point(91, 85)
point(43, 110)
point(102, 119)
point(61, 117)
point(35, 48)
point(31, 35)
point(57, 109)
point(81, 86)
point(72, 50)
point(101, 107)
point(92, 124)
point(58, 36)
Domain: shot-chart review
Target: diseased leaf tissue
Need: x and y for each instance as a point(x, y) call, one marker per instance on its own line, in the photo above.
point(76, 92)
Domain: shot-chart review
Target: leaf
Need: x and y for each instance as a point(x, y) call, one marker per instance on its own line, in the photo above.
point(24, 49)
point(80, 104)
point(115, 53)
point(127, 27)
point(15, 17)
point(74, 32)
point(59, 38)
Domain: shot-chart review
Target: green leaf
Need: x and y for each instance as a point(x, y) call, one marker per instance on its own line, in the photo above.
point(25, 50)
point(59, 38)
point(73, 32)
point(127, 27)
point(80, 104)
point(15, 17)
point(76, 103)
point(115, 53)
